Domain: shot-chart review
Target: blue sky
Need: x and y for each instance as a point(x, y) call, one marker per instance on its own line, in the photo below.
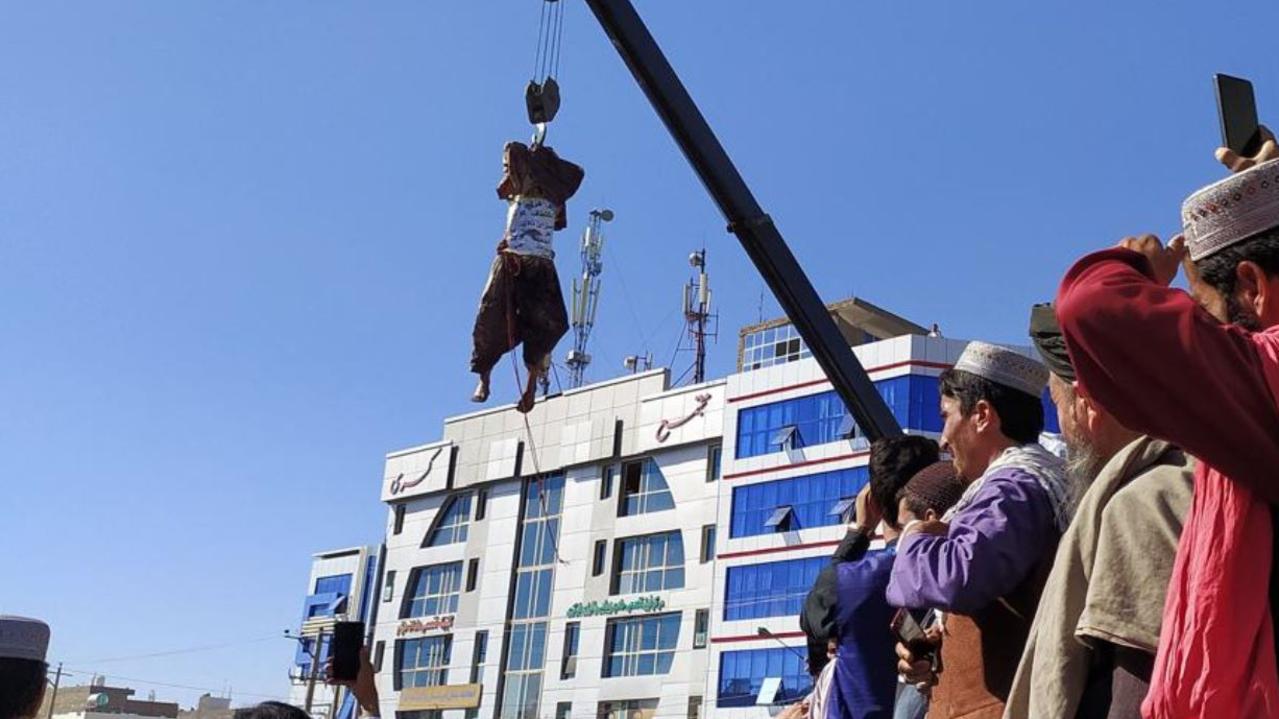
point(241, 244)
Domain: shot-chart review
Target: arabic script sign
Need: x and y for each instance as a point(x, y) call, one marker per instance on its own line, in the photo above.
point(664, 429)
point(447, 696)
point(607, 607)
point(399, 485)
point(421, 626)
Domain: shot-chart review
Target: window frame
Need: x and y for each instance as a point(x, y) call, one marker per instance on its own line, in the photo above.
point(472, 574)
point(569, 652)
point(446, 601)
point(634, 635)
point(457, 524)
point(642, 566)
point(436, 673)
point(648, 498)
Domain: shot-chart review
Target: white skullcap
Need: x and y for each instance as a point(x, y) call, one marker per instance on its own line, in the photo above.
point(1004, 366)
point(1231, 210)
point(23, 638)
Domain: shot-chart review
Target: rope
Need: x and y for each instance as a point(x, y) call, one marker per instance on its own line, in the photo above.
point(550, 35)
point(537, 49)
point(559, 36)
point(511, 264)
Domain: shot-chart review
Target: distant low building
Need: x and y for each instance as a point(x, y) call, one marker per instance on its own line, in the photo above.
point(209, 707)
point(99, 701)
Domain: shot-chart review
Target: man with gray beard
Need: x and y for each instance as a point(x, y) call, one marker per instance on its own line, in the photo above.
point(1092, 645)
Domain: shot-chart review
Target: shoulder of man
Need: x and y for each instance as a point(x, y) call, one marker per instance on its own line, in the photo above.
point(1160, 493)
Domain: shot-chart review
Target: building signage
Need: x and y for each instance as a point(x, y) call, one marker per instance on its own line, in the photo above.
point(607, 607)
point(664, 429)
point(422, 626)
point(447, 696)
point(399, 485)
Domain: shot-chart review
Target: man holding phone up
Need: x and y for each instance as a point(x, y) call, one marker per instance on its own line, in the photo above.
point(1201, 369)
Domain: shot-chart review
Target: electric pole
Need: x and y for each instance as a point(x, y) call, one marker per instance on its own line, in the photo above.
point(53, 698)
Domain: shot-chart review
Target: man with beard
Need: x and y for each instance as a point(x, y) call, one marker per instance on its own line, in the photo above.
point(985, 563)
point(1165, 366)
point(1093, 641)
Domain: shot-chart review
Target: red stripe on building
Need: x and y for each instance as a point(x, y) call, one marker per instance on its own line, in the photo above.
point(774, 550)
point(812, 383)
point(757, 637)
point(766, 470)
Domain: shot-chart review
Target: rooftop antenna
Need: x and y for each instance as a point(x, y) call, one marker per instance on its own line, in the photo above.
point(586, 295)
point(638, 363)
point(697, 312)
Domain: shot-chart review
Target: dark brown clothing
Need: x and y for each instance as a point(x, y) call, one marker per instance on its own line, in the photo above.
point(539, 172)
point(980, 652)
point(522, 302)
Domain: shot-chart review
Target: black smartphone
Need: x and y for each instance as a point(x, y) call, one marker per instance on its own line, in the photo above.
point(909, 632)
point(348, 639)
point(1237, 110)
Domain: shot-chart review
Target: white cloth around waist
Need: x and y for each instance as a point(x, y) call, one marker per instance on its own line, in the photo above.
point(530, 226)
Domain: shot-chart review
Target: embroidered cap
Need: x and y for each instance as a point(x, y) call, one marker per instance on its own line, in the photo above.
point(23, 638)
point(936, 487)
point(1231, 210)
point(1004, 366)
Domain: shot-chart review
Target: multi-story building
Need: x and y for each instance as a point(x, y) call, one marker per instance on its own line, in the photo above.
point(559, 567)
point(341, 587)
point(631, 550)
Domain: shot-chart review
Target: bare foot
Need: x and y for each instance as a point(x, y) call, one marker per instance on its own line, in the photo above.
point(530, 394)
point(481, 393)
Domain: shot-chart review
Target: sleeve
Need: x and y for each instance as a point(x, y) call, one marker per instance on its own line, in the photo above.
point(988, 551)
point(1165, 367)
point(852, 548)
point(817, 620)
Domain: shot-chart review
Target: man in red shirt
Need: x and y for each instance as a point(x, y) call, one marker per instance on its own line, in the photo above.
point(1201, 370)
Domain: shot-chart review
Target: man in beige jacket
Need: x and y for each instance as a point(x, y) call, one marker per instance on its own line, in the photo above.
point(1093, 641)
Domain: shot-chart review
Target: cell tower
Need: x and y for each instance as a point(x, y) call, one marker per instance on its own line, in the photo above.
point(697, 312)
point(586, 295)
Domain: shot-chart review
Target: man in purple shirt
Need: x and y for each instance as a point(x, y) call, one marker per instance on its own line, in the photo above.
point(985, 562)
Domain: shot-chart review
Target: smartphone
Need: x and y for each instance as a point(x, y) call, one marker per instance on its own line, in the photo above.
point(1237, 110)
point(909, 632)
point(348, 639)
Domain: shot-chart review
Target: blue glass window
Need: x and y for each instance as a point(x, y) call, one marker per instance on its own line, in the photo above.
point(644, 489)
point(649, 564)
point(422, 662)
point(772, 589)
point(451, 527)
point(533, 594)
point(742, 674)
point(335, 584)
point(638, 646)
point(820, 418)
point(303, 657)
point(433, 590)
point(1050, 415)
point(528, 647)
point(810, 497)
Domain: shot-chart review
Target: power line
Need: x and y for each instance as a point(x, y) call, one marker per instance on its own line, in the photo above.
point(173, 652)
point(170, 685)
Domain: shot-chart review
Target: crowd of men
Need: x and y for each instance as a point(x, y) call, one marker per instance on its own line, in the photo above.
point(1134, 578)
